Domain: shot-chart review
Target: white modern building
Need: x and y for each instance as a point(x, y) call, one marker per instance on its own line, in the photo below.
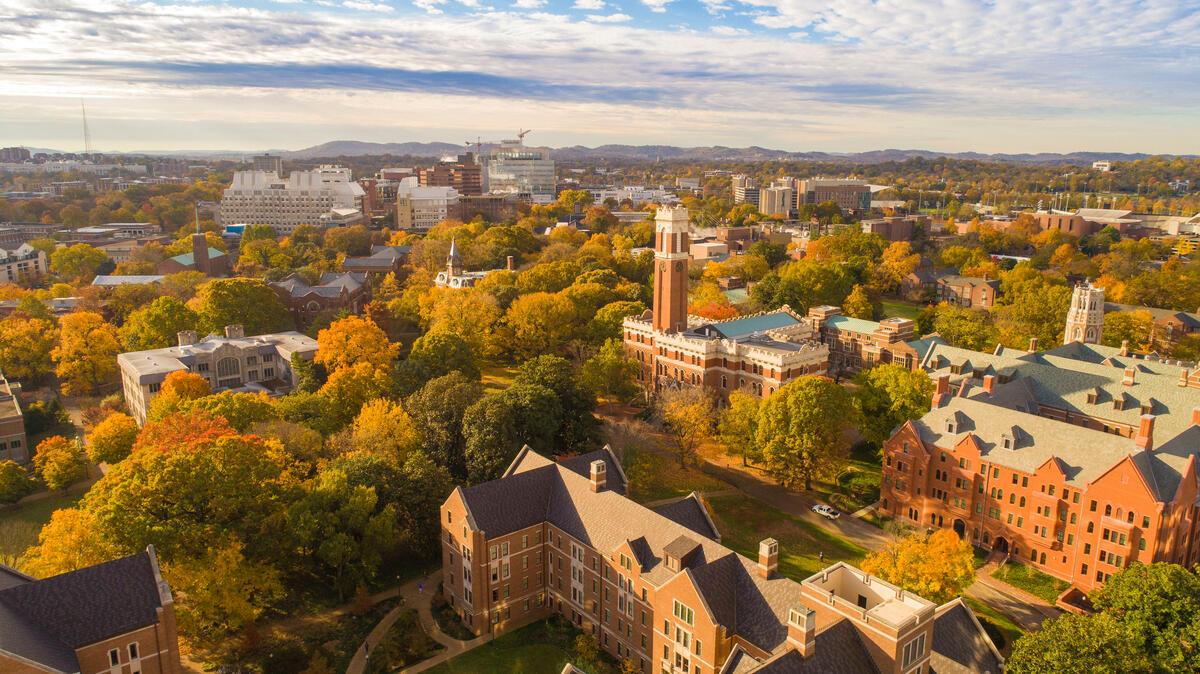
point(70, 165)
point(24, 262)
point(321, 197)
point(232, 362)
point(635, 194)
point(421, 207)
point(526, 171)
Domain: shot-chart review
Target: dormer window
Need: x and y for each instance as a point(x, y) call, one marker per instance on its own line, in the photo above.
point(951, 426)
point(1092, 396)
point(1007, 441)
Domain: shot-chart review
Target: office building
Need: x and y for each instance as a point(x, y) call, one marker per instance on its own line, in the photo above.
point(745, 189)
point(776, 201)
point(115, 617)
point(421, 208)
point(231, 362)
point(463, 173)
point(657, 588)
point(850, 194)
point(303, 198)
point(23, 262)
point(527, 172)
point(268, 163)
point(14, 154)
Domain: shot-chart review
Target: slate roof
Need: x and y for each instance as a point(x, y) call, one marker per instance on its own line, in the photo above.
point(960, 646)
point(956, 280)
point(581, 464)
point(837, 650)
point(47, 620)
point(331, 284)
point(1187, 318)
point(689, 511)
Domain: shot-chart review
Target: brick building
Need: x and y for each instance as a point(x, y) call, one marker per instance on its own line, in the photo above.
point(967, 291)
point(347, 291)
point(113, 618)
point(382, 261)
point(856, 343)
point(757, 353)
point(657, 588)
point(1078, 461)
point(203, 258)
point(464, 174)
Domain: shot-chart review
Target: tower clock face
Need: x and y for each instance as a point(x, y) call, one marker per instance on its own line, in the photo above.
point(679, 266)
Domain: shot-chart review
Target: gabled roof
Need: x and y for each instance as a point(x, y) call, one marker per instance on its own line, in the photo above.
point(47, 620)
point(960, 646)
point(691, 513)
point(187, 258)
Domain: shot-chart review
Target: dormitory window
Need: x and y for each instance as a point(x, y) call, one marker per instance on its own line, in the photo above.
point(913, 650)
point(114, 657)
point(133, 651)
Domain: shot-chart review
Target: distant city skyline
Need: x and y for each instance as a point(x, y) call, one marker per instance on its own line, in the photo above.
point(948, 76)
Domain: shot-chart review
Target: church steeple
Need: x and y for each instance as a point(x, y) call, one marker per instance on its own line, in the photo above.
point(454, 265)
point(1085, 319)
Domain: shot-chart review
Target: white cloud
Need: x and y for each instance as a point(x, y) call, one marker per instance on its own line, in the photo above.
point(366, 6)
point(658, 6)
point(588, 4)
point(618, 17)
point(430, 6)
point(729, 30)
point(529, 4)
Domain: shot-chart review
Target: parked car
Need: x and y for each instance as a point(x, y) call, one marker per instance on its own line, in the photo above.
point(825, 511)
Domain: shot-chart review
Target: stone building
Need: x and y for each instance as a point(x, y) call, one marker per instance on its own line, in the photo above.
point(1085, 318)
point(232, 362)
point(657, 588)
point(13, 443)
point(347, 291)
point(1078, 461)
point(112, 618)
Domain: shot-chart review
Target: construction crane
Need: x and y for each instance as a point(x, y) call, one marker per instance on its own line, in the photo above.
point(521, 135)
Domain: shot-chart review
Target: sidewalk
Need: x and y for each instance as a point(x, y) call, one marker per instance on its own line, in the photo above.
point(416, 594)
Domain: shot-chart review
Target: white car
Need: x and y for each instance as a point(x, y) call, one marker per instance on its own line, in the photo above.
point(825, 511)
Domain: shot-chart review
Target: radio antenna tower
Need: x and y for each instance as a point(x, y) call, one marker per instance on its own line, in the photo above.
point(87, 136)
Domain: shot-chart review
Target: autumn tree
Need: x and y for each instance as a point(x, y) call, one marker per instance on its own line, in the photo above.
point(1134, 327)
point(250, 303)
point(441, 352)
point(71, 540)
point(353, 340)
point(687, 416)
point(25, 347)
point(897, 262)
point(15, 483)
point(737, 426)
point(112, 439)
point(86, 355)
point(539, 323)
point(802, 430)
point(383, 428)
point(937, 566)
point(157, 325)
point(239, 409)
point(858, 304)
point(888, 395)
point(59, 462)
point(966, 328)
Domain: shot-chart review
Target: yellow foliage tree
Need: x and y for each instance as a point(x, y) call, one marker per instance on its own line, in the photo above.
point(383, 428)
point(59, 462)
point(353, 340)
point(86, 354)
point(687, 415)
point(25, 347)
point(938, 566)
point(70, 540)
point(112, 439)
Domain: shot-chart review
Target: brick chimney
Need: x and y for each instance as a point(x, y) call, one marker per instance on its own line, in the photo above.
point(599, 475)
point(1145, 434)
point(1183, 377)
point(802, 629)
point(963, 387)
point(234, 332)
point(1124, 347)
point(989, 383)
point(1130, 375)
point(509, 263)
point(768, 557)
point(200, 252)
point(942, 391)
point(1032, 344)
point(1196, 416)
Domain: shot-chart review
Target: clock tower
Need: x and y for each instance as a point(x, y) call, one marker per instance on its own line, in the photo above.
point(671, 245)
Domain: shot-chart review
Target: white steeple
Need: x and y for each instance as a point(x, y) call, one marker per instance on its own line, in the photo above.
point(1085, 319)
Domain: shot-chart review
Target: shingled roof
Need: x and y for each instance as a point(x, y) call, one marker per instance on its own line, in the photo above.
point(45, 621)
point(960, 646)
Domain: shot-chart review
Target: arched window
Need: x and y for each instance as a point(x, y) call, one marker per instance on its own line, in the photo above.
point(228, 373)
point(1108, 510)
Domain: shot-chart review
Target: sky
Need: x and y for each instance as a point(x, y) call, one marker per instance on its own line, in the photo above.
point(850, 75)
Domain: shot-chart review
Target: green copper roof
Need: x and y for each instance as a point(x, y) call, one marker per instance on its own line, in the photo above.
point(186, 258)
point(753, 324)
point(851, 324)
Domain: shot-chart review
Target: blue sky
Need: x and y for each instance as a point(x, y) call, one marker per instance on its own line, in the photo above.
point(952, 75)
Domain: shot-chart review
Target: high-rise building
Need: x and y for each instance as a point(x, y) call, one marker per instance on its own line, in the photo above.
point(271, 163)
point(776, 200)
point(1085, 318)
point(323, 196)
point(850, 194)
point(14, 154)
point(745, 190)
point(657, 588)
point(420, 208)
point(525, 171)
point(464, 174)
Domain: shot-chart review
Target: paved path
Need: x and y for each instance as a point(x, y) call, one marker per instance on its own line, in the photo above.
point(417, 594)
point(1027, 609)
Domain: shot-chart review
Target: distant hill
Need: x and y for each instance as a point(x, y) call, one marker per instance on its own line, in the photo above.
point(351, 148)
point(357, 148)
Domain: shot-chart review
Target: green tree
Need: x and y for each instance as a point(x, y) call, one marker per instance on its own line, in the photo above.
point(888, 395)
point(15, 482)
point(966, 328)
point(539, 323)
point(157, 325)
point(801, 430)
point(490, 432)
point(538, 413)
point(1136, 327)
point(59, 462)
point(737, 426)
point(804, 284)
point(1073, 644)
point(607, 322)
point(1159, 605)
point(577, 431)
point(438, 409)
point(241, 410)
point(112, 439)
point(611, 373)
point(77, 263)
point(250, 303)
point(442, 352)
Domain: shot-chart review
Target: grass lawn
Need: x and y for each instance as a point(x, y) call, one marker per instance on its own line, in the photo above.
point(857, 486)
point(744, 522)
point(1002, 631)
point(541, 648)
point(19, 526)
point(655, 477)
point(497, 378)
point(893, 308)
point(1031, 580)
